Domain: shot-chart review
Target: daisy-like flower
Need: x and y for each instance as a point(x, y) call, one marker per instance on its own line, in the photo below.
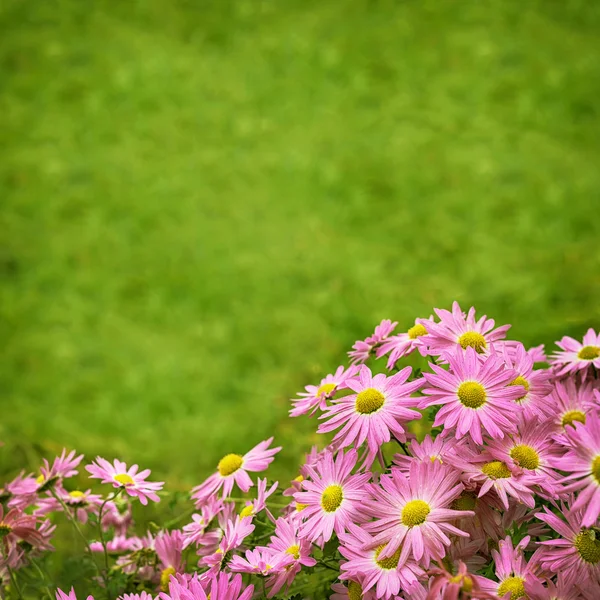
point(457, 330)
point(475, 394)
point(362, 349)
point(366, 565)
point(17, 526)
point(374, 412)
point(404, 344)
point(512, 571)
point(117, 515)
point(233, 537)
point(316, 396)
point(445, 585)
point(234, 468)
point(413, 512)
point(483, 471)
point(577, 554)
point(582, 462)
point(219, 587)
point(576, 356)
point(429, 450)
point(169, 546)
point(118, 545)
point(561, 590)
point(536, 383)
point(60, 595)
point(570, 403)
point(63, 467)
point(142, 596)
point(196, 531)
point(253, 507)
point(82, 504)
point(333, 497)
point(287, 543)
point(260, 561)
point(530, 452)
point(130, 480)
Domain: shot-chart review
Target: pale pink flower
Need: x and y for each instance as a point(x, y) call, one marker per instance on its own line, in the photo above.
point(571, 403)
point(362, 349)
point(445, 585)
point(253, 507)
point(63, 467)
point(233, 537)
point(233, 469)
point(576, 356)
point(169, 547)
point(429, 450)
point(196, 531)
point(404, 344)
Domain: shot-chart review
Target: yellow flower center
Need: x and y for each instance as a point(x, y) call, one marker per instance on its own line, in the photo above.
point(332, 498)
point(300, 507)
point(294, 551)
point(76, 494)
point(354, 591)
point(471, 394)
point(369, 400)
point(525, 456)
point(596, 468)
point(299, 479)
point(521, 381)
point(165, 577)
point(571, 416)
point(229, 464)
point(5, 529)
point(417, 331)
point(496, 470)
point(465, 582)
point(415, 513)
point(40, 479)
point(247, 511)
point(588, 546)
point(391, 562)
point(514, 585)
point(124, 479)
point(473, 339)
point(589, 353)
point(326, 388)
point(466, 501)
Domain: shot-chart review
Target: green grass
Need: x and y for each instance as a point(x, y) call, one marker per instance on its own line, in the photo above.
point(206, 203)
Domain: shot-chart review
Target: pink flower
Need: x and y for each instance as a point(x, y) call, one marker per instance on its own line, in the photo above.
point(374, 412)
point(234, 468)
point(456, 331)
point(195, 532)
point(446, 586)
point(570, 403)
point(404, 344)
point(316, 397)
point(362, 349)
point(169, 546)
point(366, 565)
point(582, 462)
point(475, 394)
point(130, 480)
point(253, 507)
point(333, 497)
point(577, 554)
point(15, 525)
point(429, 450)
point(413, 513)
point(82, 504)
point(512, 570)
point(561, 590)
point(219, 587)
point(60, 595)
point(577, 356)
point(63, 467)
point(260, 560)
point(142, 596)
point(233, 537)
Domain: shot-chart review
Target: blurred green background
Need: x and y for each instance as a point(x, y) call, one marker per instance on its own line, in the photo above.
point(206, 202)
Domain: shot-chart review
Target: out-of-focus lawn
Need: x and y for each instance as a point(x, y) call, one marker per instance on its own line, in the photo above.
point(206, 203)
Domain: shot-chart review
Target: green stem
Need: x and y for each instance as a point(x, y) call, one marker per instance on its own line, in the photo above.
point(43, 578)
point(103, 541)
point(13, 577)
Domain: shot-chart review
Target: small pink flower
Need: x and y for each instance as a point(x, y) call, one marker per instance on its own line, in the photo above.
point(445, 585)
point(260, 560)
point(63, 467)
point(253, 507)
point(571, 403)
point(234, 468)
point(333, 497)
point(218, 587)
point(374, 412)
point(363, 348)
point(404, 344)
point(316, 397)
point(60, 595)
point(15, 525)
point(196, 531)
point(576, 356)
point(429, 450)
point(130, 480)
point(233, 537)
point(169, 547)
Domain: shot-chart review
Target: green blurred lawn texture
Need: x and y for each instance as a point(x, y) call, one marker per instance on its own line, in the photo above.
point(206, 203)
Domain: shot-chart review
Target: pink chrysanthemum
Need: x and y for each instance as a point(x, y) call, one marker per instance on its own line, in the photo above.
point(571, 403)
point(17, 526)
point(374, 412)
point(512, 570)
point(429, 450)
point(169, 547)
point(129, 479)
point(219, 587)
point(316, 396)
point(60, 595)
point(234, 468)
point(333, 497)
point(196, 531)
point(561, 590)
point(576, 356)
point(476, 393)
point(457, 330)
point(482, 469)
point(260, 561)
point(253, 507)
point(413, 512)
point(233, 537)
point(365, 564)
point(63, 467)
point(82, 504)
point(582, 462)
point(141, 596)
point(445, 585)
point(404, 344)
point(577, 554)
point(362, 349)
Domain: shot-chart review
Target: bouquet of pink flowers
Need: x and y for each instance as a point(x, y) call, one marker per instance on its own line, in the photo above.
point(475, 477)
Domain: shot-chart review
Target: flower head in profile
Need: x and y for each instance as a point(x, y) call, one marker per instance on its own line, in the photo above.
point(129, 479)
point(570, 403)
point(316, 396)
point(63, 467)
point(234, 534)
point(253, 507)
point(363, 348)
point(169, 547)
point(475, 395)
point(446, 585)
point(412, 514)
point(374, 412)
point(16, 526)
point(197, 531)
point(429, 450)
point(403, 344)
point(457, 331)
point(575, 356)
point(332, 496)
point(233, 469)
point(222, 586)
point(561, 590)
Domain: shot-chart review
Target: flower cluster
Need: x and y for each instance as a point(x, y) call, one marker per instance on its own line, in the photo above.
point(476, 475)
